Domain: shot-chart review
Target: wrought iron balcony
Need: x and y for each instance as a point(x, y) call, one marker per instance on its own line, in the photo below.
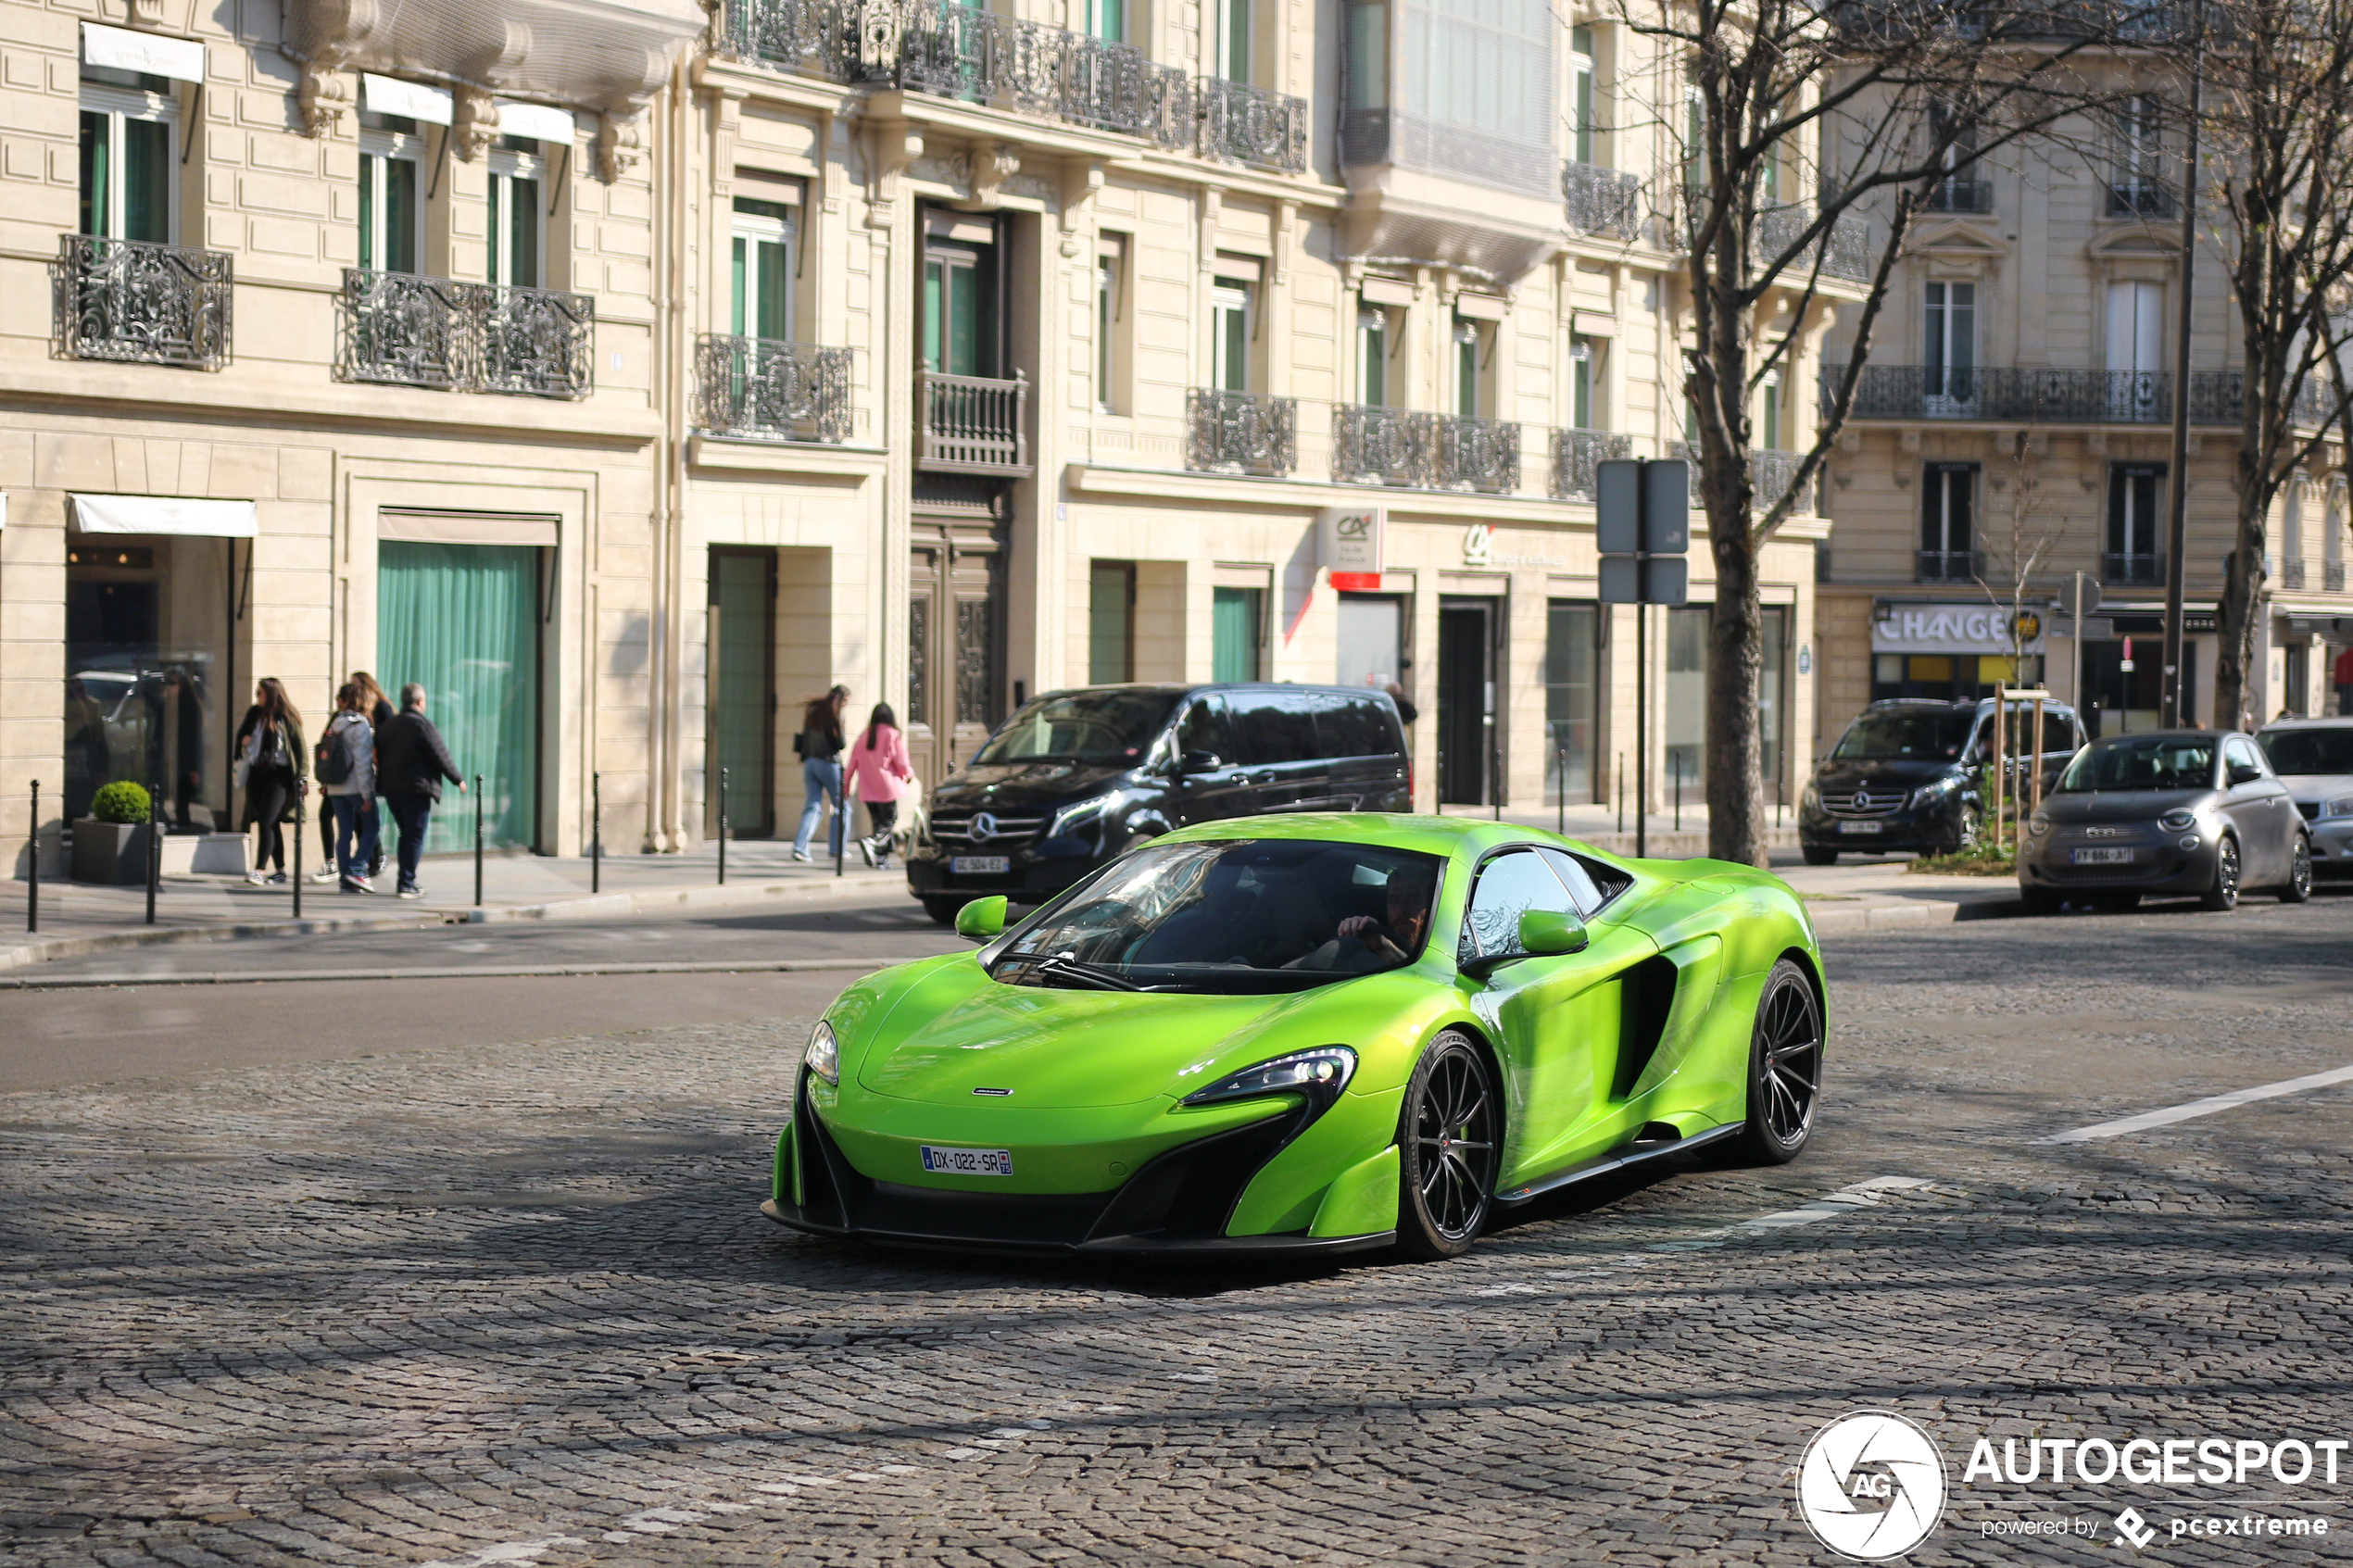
point(145, 304)
point(2132, 571)
point(1575, 455)
point(2332, 577)
point(1770, 474)
point(405, 330)
point(972, 424)
point(2292, 574)
point(1384, 446)
point(959, 51)
point(2218, 397)
point(2139, 198)
point(1961, 196)
point(1951, 566)
point(1241, 432)
point(1601, 201)
point(1480, 455)
point(757, 386)
point(1844, 249)
point(820, 36)
point(1251, 125)
point(2028, 395)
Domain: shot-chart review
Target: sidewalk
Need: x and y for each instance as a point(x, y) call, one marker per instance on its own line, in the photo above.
point(82, 917)
point(1668, 835)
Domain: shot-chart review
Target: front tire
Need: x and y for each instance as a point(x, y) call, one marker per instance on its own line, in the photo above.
point(2298, 886)
point(1784, 1068)
point(2223, 893)
point(1450, 1140)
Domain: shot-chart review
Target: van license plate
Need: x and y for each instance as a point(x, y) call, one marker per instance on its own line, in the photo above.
point(1860, 827)
point(979, 865)
point(2101, 856)
point(968, 1161)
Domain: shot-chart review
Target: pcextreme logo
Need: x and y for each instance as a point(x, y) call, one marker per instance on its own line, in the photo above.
point(1872, 1485)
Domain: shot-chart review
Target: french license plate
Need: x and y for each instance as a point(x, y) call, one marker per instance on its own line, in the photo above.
point(2101, 856)
point(968, 1161)
point(979, 865)
point(1860, 827)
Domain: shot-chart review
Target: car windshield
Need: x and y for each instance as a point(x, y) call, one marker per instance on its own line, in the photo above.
point(1934, 735)
point(1230, 917)
point(2142, 762)
point(2309, 751)
point(1112, 727)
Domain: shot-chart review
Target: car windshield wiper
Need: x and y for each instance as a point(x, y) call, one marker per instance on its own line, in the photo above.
point(1072, 968)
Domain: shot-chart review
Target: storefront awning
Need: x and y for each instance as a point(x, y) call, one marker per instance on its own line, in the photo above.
point(117, 48)
point(418, 526)
point(163, 514)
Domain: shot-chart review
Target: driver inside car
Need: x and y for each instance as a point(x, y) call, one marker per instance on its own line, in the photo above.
point(1362, 944)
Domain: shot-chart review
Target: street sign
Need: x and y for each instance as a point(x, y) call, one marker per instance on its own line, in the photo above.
point(1618, 506)
point(1643, 525)
point(1639, 580)
point(1667, 518)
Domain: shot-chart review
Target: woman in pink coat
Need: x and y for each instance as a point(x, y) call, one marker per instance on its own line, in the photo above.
point(879, 774)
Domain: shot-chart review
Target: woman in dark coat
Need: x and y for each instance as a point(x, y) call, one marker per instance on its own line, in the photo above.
point(269, 743)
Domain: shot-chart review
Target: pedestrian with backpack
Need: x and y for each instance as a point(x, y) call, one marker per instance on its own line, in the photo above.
point(376, 708)
point(271, 759)
point(819, 748)
point(879, 775)
point(345, 764)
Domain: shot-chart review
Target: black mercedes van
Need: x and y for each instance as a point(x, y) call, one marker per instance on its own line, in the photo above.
point(1075, 777)
point(1905, 775)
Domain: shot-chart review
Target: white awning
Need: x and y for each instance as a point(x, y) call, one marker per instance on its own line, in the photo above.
point(421, 526)
point(120, 49)
point(535, 121)
point(163, 514)
point(411, 100)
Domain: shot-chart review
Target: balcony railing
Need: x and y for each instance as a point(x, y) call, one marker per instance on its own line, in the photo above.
point(2028, 395)
point(1575, 454)
point(1844, 249)
point(2292, 574)
point(1961, 196)
point(1241, 432)
point(2139, 198)
point(1601, 201)
point(145, 304)
point(821, 36)
point(960, 51)
point(1770, 474)
point(2332, 577)
point(2132, 571)
point(1253, 126)
point(974, 424)
point(1425, 451)
point(1951, 566)
point(759, 387)
point(402, 329)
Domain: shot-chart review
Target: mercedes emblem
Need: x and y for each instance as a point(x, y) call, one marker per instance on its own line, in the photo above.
point(984, 827)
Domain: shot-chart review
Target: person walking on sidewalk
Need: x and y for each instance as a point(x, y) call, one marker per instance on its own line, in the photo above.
point(270, 753)
point(346, 768)
point(819, 748)
point(411, 762)
point(879, 775)
point(376, 708)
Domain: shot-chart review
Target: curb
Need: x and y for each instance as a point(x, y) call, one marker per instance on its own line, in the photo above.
point(1912, 915)
point(507, 972)
point(586, 907)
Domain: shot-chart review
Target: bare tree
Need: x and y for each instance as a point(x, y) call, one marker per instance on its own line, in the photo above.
point(2031, 538)
point(2279, 182)
point(1868, 105)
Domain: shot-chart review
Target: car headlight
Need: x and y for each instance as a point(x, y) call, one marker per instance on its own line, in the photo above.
point(1077, 815)
point(2341, 806)
point(1324, 1070)
point(2178, 820)
point(1930, 793)
point(1811, 798)
point(824, 1055)
point(2038, 824)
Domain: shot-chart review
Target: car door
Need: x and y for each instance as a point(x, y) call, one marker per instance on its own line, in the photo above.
point(2266, 816)
point(1224, 789)
point(1554, 1018)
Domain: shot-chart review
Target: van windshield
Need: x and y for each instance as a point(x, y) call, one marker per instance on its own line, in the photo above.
point(2309, 751)
point(1931, 734)
point(1111, 727)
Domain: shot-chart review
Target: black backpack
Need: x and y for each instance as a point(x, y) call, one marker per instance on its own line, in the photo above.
point(331, 758)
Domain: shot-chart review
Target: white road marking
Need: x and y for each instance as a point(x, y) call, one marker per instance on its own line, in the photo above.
point(1845, 1200)
point(505, 1551)
point(2206, 1107)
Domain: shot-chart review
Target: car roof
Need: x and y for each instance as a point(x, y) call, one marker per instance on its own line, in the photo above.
point(2171, 734)
point(1397, 830)
point(2330, 722)
point(1178, 689)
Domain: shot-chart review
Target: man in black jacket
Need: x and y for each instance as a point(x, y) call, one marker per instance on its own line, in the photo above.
point(411, 762)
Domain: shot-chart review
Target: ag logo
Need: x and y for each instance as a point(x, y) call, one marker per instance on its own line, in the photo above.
point(1872, 1485)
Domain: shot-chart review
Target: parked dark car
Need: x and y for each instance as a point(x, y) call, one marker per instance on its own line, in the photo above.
point(2314, 759)
point(1075, 777)
point(2166, 811)
point(1907, 772)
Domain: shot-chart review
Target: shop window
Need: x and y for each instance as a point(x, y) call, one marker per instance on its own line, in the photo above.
point(148, 649)
point(1685, 703)
point(1773, 700)
point(1572, 657)
point(1372, 641)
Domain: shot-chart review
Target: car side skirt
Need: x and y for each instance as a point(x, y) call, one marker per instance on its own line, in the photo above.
point(1619, 1159)
point(1106, 1247)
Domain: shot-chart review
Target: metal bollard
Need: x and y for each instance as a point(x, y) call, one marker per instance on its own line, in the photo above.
point(1560, 795)
point(477, 841)
point(1679, 794)
point(595, 831)
point(723, 827)
point(1621, 792)
point(841, 821)
point(154, 848)
point(301, 786)
point(32, 888)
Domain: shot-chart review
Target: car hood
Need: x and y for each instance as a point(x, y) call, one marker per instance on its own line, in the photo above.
point(2310, 789)
point(2124, 805)
point(1909, 771)
point(957, 1030)
point(1003, 786)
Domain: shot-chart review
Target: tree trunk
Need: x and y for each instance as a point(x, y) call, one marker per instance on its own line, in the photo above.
point(1736, 666)
point(2235, 628)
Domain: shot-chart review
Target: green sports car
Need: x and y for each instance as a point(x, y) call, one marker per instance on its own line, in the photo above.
point(1307, 1035)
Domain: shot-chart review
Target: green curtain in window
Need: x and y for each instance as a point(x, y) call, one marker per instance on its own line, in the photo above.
point(1233, 640)
point(463, 622)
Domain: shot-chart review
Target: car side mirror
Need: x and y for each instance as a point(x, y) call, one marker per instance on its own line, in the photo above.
point(1547, 932)
point(2244, 772)
point(1200, 762)
point(983, 920)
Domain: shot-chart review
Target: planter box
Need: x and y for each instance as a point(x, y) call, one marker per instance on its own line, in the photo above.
point(116, 853)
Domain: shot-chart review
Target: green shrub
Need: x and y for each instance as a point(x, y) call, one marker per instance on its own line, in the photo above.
point(120, 801)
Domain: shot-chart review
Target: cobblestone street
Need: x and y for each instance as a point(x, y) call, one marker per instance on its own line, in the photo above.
point(515, 1303)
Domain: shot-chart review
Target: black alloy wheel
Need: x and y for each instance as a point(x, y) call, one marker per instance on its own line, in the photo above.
point(2225, 891)
point(1784, 1068)
point(2298, 886)
point(1449, 1144)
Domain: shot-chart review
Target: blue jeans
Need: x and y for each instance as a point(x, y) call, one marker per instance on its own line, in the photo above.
point(355, 818)
point(821, 778)
point(411, 814)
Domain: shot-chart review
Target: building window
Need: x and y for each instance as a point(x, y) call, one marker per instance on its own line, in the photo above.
point(1236, 615)
point(1107, 20)
point(391, 218)
point(2140, 169)
point(1581, 77)
point(1949, 496)
point(1585, 411)
point(2133, 493)
point(1234, 40)
point(1474, 352)
point(127, 167)
point(958, 340)
point(1111, 622)
point(1769, 400)
point(1233, 329)
point(1685, 700)
point(1372, 356)
point(2135, 347)
point(518, 220)
point(1111, 295)
point(1572, 632)
point(1950, 353)
point(762, 269)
